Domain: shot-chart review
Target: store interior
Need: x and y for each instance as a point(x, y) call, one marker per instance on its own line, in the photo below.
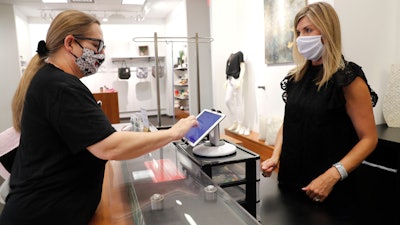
point(177, 64)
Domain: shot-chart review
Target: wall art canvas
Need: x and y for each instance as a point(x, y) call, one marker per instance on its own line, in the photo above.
point(278, 21)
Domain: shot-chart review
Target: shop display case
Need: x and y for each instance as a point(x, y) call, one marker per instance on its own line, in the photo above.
point(166, 187)
point(238, 174)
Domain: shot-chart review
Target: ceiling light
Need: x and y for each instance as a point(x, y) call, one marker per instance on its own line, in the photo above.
point(146, 9)
point(138, 18)
point(105, 18)
point(82, 1)
point(133, 2)
point(47, 15)
point(55, 1)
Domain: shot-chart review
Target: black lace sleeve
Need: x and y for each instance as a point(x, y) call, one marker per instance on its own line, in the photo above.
point(284, 86)
point(349, 73)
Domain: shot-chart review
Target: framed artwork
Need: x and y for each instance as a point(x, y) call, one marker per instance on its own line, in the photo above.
point(143, 50)
point(278, 23)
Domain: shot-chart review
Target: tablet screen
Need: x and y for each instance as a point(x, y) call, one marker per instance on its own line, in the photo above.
point(207, 121)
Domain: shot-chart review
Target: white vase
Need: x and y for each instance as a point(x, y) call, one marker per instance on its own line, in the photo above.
point(391, 98)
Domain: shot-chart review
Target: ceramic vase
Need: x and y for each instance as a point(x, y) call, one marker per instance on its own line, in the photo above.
point(391, 98)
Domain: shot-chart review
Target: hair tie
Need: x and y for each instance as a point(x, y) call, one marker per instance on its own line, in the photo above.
point(42, 49)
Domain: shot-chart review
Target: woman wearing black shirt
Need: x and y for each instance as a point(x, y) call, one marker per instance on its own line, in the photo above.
point(329, 126)
point(66, 139)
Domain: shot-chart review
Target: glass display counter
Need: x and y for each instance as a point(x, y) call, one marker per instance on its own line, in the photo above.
point(238, 174)
point(166, 187)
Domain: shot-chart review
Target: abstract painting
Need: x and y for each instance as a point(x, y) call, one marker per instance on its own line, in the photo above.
point(278, 21)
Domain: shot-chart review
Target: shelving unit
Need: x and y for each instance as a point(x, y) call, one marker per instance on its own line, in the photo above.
point(149, 60)
point(237, 174)
point(181, 92)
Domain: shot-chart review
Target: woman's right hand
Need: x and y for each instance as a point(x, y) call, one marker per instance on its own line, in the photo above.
point(182, 127)
point(268, 166)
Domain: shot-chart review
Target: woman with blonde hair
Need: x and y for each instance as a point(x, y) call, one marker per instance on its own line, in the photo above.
point(329, 126)
point(66, 139)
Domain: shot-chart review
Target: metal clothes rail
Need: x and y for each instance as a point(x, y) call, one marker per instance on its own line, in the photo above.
point(196, 39)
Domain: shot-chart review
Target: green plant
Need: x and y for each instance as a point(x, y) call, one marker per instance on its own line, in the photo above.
point(181, 54)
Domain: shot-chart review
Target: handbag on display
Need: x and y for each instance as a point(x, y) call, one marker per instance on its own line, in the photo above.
point(124, 72)
point(160, 71)
point(142, 72)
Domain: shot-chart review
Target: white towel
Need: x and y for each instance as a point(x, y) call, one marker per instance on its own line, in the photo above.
point(9, 139)
point(4, 190)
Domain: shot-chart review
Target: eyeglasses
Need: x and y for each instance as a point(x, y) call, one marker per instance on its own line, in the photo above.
point(100, 45)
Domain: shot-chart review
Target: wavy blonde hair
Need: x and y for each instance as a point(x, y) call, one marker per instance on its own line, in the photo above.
point(65, 23)
point(324, 17)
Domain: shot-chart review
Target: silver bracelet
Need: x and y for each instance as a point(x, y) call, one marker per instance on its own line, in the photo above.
point(342, 171)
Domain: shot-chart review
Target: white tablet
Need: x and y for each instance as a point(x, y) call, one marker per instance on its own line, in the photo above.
point(208, 120)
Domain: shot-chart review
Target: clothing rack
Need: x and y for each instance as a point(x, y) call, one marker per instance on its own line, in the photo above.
point(196, 39)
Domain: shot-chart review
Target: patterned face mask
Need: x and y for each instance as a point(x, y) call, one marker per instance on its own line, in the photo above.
point(89, 62)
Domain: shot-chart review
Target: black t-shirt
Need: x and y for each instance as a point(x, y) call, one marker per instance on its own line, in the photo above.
point(233, 65)
point(55, 179)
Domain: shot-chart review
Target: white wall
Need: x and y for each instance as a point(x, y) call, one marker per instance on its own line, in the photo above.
point(9, 63)
point(24, 45)
point(198, 22)
point(371, 39)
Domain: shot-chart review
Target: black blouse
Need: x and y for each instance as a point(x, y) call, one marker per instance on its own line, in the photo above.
point(317, 132)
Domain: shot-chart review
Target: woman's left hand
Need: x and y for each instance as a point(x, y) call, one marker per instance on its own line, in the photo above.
point(319, 188)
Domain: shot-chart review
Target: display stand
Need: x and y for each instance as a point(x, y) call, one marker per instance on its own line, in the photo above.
point(238, 174)
point(214, 147)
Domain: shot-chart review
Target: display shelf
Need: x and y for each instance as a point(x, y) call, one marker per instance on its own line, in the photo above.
point(180, 68)
point(181, 89)
point(237, 174)
point(181, 85)
point(179, 113)
point(229, 173)
point(237, 192)
point(136, 59)
point(251, 142)
point(182, 97)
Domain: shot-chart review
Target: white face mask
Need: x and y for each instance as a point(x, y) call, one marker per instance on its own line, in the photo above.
point(310, 47)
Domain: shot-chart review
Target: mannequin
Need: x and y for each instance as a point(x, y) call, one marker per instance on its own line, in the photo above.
point(235, 71)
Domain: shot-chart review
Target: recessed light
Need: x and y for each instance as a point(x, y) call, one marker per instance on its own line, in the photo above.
point(55, 1)
point(82, 1)
point(133, 2)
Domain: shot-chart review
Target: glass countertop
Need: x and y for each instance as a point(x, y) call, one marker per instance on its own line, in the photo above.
point(166, 187)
